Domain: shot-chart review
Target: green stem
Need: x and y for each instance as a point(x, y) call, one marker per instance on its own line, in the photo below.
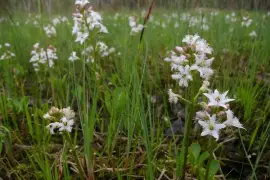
point(184, 151)
point(185, 100)
point(189, 117)
point(211, 147)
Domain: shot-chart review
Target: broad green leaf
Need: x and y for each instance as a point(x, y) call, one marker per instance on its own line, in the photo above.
point(204, 156)
point(195, 150)
point(201, 172)
point(213, 169)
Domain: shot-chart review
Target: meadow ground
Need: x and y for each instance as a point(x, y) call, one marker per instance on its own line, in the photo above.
point(124, 126)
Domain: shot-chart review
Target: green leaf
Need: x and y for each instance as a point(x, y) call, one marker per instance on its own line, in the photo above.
point(201, 172)
point(213, 169)
point(119, 98)
point(204, 156)
point(195, 150)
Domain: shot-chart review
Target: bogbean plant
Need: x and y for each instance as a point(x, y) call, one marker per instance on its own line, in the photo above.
point(87, 30)
point(189, 63)
point(62, 122)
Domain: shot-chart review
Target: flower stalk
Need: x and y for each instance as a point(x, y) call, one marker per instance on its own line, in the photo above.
point(185, 145)
point(211, 152)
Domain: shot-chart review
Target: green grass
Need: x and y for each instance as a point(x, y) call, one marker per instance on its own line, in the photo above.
point(119, 131)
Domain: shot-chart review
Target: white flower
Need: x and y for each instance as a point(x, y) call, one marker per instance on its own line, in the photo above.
point(202, 47)
point(135, 28)
point(179, 59)
point(81, 37)
point(132, 22)
point(7, 44)
point(36, 46)
point(63, 124)
point(198, 44)
point(86, 21)
point(64, 19)
point(7, 55)
point(49, 30)
point(183, 76)
point(173, 98)
point(53, 126)
point(246, 22)
point(253, 34)
point(190, 39)
point(205, 86)
point(67, 125)
point(217, 99)
point(68, 113)
point(73, 57)
point(202, 115)
point(163, 25)
point(87, 50)
point(210, 127)
point(81, 3)
point(56, 21)
point(232, 121)
point(203, 66)
point(40, 56)
point(179, 49)
point(47, 116)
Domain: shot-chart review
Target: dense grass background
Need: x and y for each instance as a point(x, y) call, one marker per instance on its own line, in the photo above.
point(123, 115)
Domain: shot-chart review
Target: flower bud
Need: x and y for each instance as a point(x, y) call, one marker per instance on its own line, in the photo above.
point(204, 105)
point(179, 49)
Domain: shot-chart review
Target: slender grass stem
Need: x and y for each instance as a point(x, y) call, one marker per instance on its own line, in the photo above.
point(75, 155)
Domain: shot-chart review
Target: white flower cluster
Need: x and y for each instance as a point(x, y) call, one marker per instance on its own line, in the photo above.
point(33, 20)
point(216, 114)
point(190, 58)
point(246, 22)
point(59, 20)
point(104, 50)
point(253, 34)
point(73, 57)
point(50, 30)
point(42, 57)
point(101, 48)
point(63, 119)
point(230, 18)
point(3, 19)
point(135, 28)
point(198, 21)
point(185, 16)
point(214, 13)
point(85, 21)
point(215, 111)
point(6, 53)
point(173, 98)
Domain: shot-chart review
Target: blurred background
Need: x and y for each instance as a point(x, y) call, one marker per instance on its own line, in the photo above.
point(64, 5)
